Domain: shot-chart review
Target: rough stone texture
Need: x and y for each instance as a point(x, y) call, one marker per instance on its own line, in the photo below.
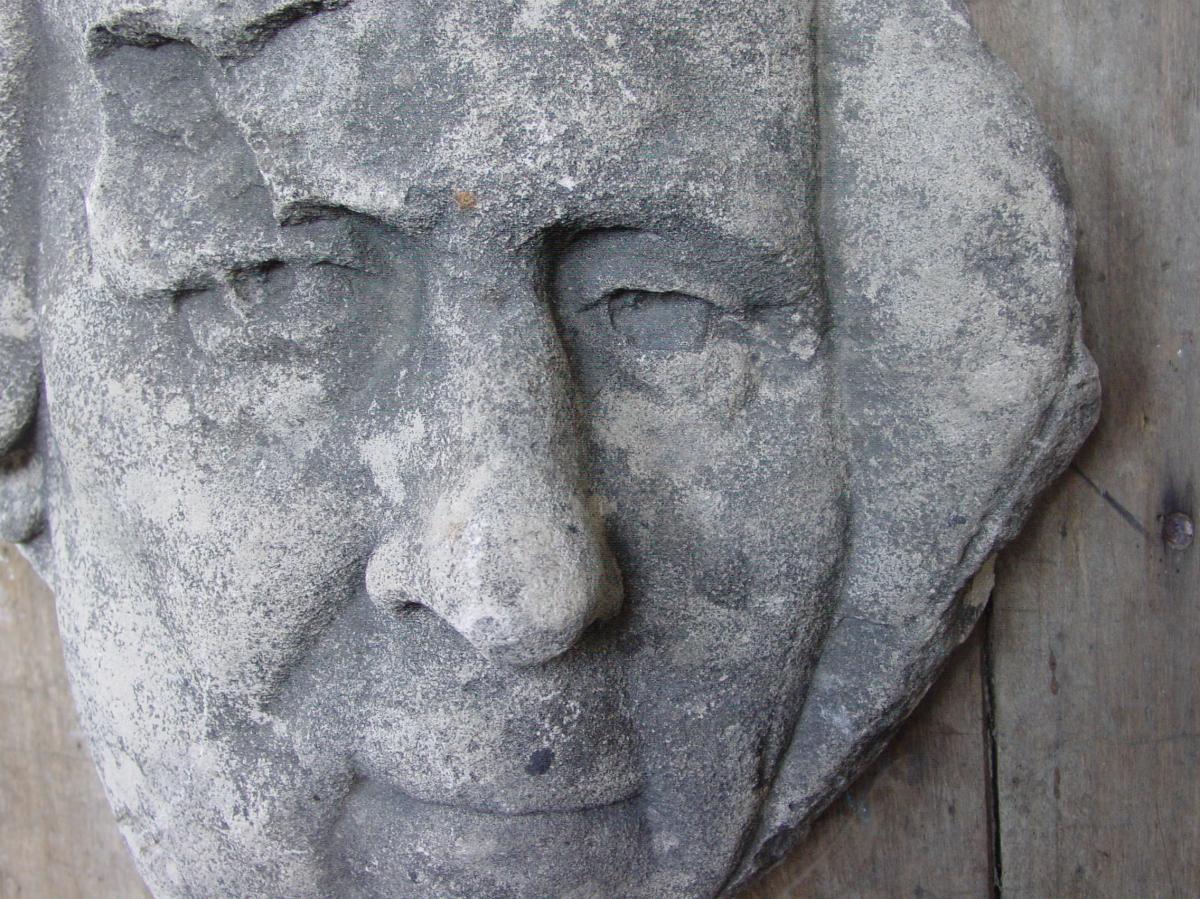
point(508, 449)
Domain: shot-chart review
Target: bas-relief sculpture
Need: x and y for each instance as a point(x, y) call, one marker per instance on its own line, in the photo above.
point(499, 449)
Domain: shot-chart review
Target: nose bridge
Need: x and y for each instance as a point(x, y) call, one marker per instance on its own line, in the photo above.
point(506, 361)
point(509, 550)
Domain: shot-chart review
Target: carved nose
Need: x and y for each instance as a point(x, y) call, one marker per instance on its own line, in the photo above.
point(507, 550)
point(512, 561)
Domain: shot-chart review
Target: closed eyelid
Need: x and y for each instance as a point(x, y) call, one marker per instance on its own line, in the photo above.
point(665, 290)
point(210, 270)
point(342, 250)
point(735, 280)
point(724, 300)
point(632, 272)
point(355, 258)
point(337, 243)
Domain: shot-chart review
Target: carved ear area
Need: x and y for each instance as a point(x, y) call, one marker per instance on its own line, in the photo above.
point(20, 370)
point(20, 468)
point(176, 190)
point(19, 377)
point(965, 383)
point(22, 511)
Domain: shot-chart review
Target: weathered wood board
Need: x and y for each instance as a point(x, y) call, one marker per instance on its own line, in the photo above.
point(1097, 624)
point(1091, 656)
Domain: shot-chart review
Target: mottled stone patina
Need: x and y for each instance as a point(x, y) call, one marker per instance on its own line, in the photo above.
point(492, 448)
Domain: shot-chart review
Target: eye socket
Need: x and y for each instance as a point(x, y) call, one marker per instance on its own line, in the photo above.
point(653, 321)
point(258, 286)
point(269, 310)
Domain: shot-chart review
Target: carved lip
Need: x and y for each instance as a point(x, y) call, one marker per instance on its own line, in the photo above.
point(495, 809)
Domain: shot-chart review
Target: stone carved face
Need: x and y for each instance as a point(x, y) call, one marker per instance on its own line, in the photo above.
point(512, 449)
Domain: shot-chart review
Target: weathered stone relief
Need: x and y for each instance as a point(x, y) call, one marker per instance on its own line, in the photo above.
point(490, 448)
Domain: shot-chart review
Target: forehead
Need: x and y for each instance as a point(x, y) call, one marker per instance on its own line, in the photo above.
point(591, 110)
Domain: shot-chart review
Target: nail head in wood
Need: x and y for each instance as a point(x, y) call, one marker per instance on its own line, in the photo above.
point(1179, 531)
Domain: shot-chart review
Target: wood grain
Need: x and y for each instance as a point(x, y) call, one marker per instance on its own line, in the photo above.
point(1097, 624)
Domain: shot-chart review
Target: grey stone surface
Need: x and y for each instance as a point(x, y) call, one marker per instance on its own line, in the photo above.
point(500, 449)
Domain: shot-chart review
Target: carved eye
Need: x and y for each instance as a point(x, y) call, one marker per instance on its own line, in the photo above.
point(660, 322)
point(269, 311)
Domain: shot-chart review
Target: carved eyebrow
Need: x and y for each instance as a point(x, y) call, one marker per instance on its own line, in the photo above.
point(241, 37)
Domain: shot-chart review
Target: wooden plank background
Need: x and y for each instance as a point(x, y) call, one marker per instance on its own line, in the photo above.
point(1096, 624)
point(1059, 756)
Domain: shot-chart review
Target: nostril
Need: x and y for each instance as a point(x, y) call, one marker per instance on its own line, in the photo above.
point(405, 607)
point(389, 577)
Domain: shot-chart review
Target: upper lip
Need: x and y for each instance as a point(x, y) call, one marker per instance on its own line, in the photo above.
point(499, 805)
